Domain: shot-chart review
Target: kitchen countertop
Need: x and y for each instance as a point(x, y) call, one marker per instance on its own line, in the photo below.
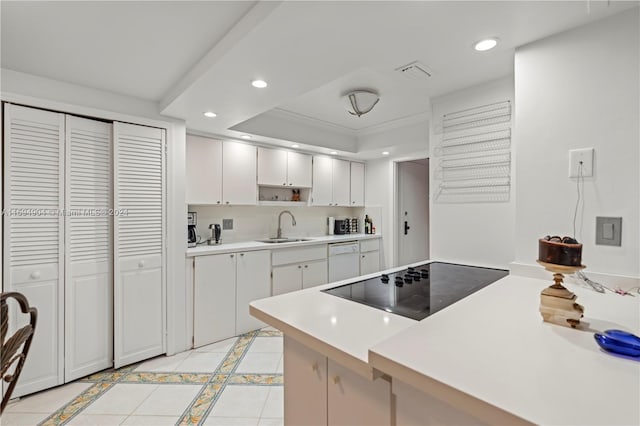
point(490, 352)
point(257, 245)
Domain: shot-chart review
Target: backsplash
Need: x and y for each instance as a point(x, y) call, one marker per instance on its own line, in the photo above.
point(257, 222)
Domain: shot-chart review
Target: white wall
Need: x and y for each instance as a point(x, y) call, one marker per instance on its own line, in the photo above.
point(471, 233)
point(257, 222)
point(573, 90)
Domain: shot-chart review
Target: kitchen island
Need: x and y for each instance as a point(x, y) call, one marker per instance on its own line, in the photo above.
point(487, 359)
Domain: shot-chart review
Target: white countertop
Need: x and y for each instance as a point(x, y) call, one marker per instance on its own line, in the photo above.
point(257, 245)
point(491, 349)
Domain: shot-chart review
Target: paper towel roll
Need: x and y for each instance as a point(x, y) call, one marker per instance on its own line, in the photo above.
point(331, 222)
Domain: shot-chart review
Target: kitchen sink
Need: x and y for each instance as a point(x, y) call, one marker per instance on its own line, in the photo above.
point(282, 240)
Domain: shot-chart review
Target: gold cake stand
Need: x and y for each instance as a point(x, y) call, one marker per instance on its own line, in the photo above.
point(557, 304)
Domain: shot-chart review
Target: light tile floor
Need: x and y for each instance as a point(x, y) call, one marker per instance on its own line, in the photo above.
point(234, 382)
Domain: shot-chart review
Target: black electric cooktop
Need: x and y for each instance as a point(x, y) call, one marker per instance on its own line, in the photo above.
point(419, 291)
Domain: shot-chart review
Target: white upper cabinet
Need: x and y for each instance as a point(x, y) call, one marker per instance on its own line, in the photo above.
point(341, 173)
point(220, 172)
point(357, 184)
point(204, 170)
point(331, 179)
point(272, 167)
point(322, 181)
point(239, 173)
point(298, 169)
point(283, 168)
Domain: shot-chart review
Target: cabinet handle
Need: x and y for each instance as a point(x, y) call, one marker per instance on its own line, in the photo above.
point(231, 255)
point(218, 202)
point(226, 202)
point(336, 380)
point(363, 256)
point(299, 266)
point(353, 202)
point(35, 275)
point(241, 254)
point(141, 264)
point(290, 184)
point(306, 266)
point(314, 366)
point(285, 183)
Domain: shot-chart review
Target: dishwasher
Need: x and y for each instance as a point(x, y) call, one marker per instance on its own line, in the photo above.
point(344, 260)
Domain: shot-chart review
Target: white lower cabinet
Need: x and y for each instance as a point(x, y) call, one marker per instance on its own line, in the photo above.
point(369, 256)
point(298, 268)
point(319, 391)
point(224, 284)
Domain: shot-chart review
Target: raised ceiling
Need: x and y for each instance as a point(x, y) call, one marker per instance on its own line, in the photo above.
point(192, 57)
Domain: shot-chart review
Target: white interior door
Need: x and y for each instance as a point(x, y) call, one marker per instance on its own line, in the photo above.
point(33, 230)
point(413, 211)
point(139, 276)
point(89, 235)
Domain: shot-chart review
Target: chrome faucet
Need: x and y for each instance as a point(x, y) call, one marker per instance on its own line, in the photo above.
point(293, 221)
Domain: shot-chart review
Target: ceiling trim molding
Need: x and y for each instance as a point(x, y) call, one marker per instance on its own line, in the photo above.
point(395, 124)
point(311, 121)
point(244, 26)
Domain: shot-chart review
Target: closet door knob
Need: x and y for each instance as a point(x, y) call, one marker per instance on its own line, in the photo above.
point(35, 275)
point(141, 264)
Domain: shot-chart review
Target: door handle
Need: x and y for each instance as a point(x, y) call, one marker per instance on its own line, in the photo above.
point(406, 227)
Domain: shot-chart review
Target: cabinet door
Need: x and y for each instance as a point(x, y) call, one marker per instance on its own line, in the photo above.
point(33, 242)
point(354, 400)
point(298, 170)
point(322, 194)
point(214, 298)
point(286, 279)
point(239, 173)
point(305, 394)
point(369, 262)
point(272, 167)
point(88, 331)
point(357, 184)
point(203, 170)
point(314, 273)
point(341, 176)
point(139, 286)
point(253, 282)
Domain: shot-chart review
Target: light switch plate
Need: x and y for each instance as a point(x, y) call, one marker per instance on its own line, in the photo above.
point(575, 157)
point(227, 224)
point(609, 231)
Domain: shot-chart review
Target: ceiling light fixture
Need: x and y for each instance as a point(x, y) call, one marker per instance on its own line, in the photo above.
point(385, 152)
point(210, 114)
point(245, 137)
point(295, 145)
point(333, 152)
point(260, 84)
point(360, 102)
point(486, 44)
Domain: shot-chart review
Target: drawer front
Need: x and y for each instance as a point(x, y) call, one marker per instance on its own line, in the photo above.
point(298, 254)
point(369, 245)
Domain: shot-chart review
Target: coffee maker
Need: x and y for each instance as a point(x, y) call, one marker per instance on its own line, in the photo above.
point(192, 236)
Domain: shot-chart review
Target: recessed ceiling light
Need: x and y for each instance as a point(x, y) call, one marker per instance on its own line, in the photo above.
point(485, 44)
point(295, 145)
point(210, 114)
point(333, 152)
point(385, 152)
point(260, 84)
point(245, 137)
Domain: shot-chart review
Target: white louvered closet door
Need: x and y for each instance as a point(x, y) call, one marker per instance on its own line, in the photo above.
point(139, 302)
point(33, 250)
point(89, 236)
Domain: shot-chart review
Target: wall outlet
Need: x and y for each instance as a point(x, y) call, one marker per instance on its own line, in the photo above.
point(585, 156)
point(227, 224)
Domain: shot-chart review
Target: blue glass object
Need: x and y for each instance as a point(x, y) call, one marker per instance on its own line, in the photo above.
point(619, 342)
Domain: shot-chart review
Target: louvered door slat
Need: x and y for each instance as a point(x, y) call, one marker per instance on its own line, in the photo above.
point(139, 288)
point(33, 197)
point(89, 284)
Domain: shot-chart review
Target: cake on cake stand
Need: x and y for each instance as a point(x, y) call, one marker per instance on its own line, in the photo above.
point(557, 304)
